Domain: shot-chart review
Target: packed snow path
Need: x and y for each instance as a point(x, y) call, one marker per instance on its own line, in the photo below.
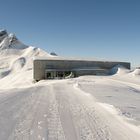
point(58, 111)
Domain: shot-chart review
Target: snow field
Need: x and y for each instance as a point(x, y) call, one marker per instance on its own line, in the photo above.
point(84, 108)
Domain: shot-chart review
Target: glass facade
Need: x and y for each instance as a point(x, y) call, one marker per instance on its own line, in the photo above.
point(57, 74)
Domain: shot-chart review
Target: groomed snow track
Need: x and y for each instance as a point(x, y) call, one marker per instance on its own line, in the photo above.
point(57, 111)
point(51, 113)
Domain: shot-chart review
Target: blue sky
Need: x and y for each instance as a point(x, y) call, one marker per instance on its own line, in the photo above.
point(106, 29)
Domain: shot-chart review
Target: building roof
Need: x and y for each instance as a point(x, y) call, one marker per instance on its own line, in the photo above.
point(57, 58)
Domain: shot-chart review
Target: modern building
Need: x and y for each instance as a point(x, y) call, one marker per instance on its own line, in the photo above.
point(59, 68)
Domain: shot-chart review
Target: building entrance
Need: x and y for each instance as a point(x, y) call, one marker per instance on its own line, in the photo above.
point(58, 74)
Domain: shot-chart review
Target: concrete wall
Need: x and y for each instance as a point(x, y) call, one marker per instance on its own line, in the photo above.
point(41, 65)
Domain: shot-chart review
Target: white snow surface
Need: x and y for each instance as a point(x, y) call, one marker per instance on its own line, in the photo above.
point(136, 72)
point(84, 108)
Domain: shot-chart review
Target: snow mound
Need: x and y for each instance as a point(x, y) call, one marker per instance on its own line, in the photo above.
point(21, 61)
point(136, 72)
point(119, 70)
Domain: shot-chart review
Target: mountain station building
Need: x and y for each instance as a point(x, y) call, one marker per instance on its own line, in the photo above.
point(61, 68)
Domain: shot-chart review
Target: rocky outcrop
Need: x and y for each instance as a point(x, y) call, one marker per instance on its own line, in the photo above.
point(3, 34)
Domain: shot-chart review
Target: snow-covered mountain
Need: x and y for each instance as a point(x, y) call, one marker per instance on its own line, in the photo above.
point(10, 41)
point(15, 55)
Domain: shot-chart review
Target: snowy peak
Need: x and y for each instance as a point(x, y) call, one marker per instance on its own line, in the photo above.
point(10, 41)
point(12, 37)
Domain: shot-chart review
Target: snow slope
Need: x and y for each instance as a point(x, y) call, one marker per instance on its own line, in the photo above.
point(136, 72)
point(16, 56)
point(84, 108)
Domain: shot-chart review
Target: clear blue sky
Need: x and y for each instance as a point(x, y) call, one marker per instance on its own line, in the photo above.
point(107, 29)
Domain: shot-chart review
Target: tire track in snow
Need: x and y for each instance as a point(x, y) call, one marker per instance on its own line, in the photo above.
point(84, 119)
point(9, 116)
point(42, 116)
point(39, 124)
point(55, 129)
point(27, 114)
point(88, 123)
point(39, 118)
point(65, 113)
point(92, 115)
point(89, 111)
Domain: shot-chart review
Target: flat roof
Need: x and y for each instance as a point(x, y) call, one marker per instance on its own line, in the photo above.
point(58, 58)
point(61, 58)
